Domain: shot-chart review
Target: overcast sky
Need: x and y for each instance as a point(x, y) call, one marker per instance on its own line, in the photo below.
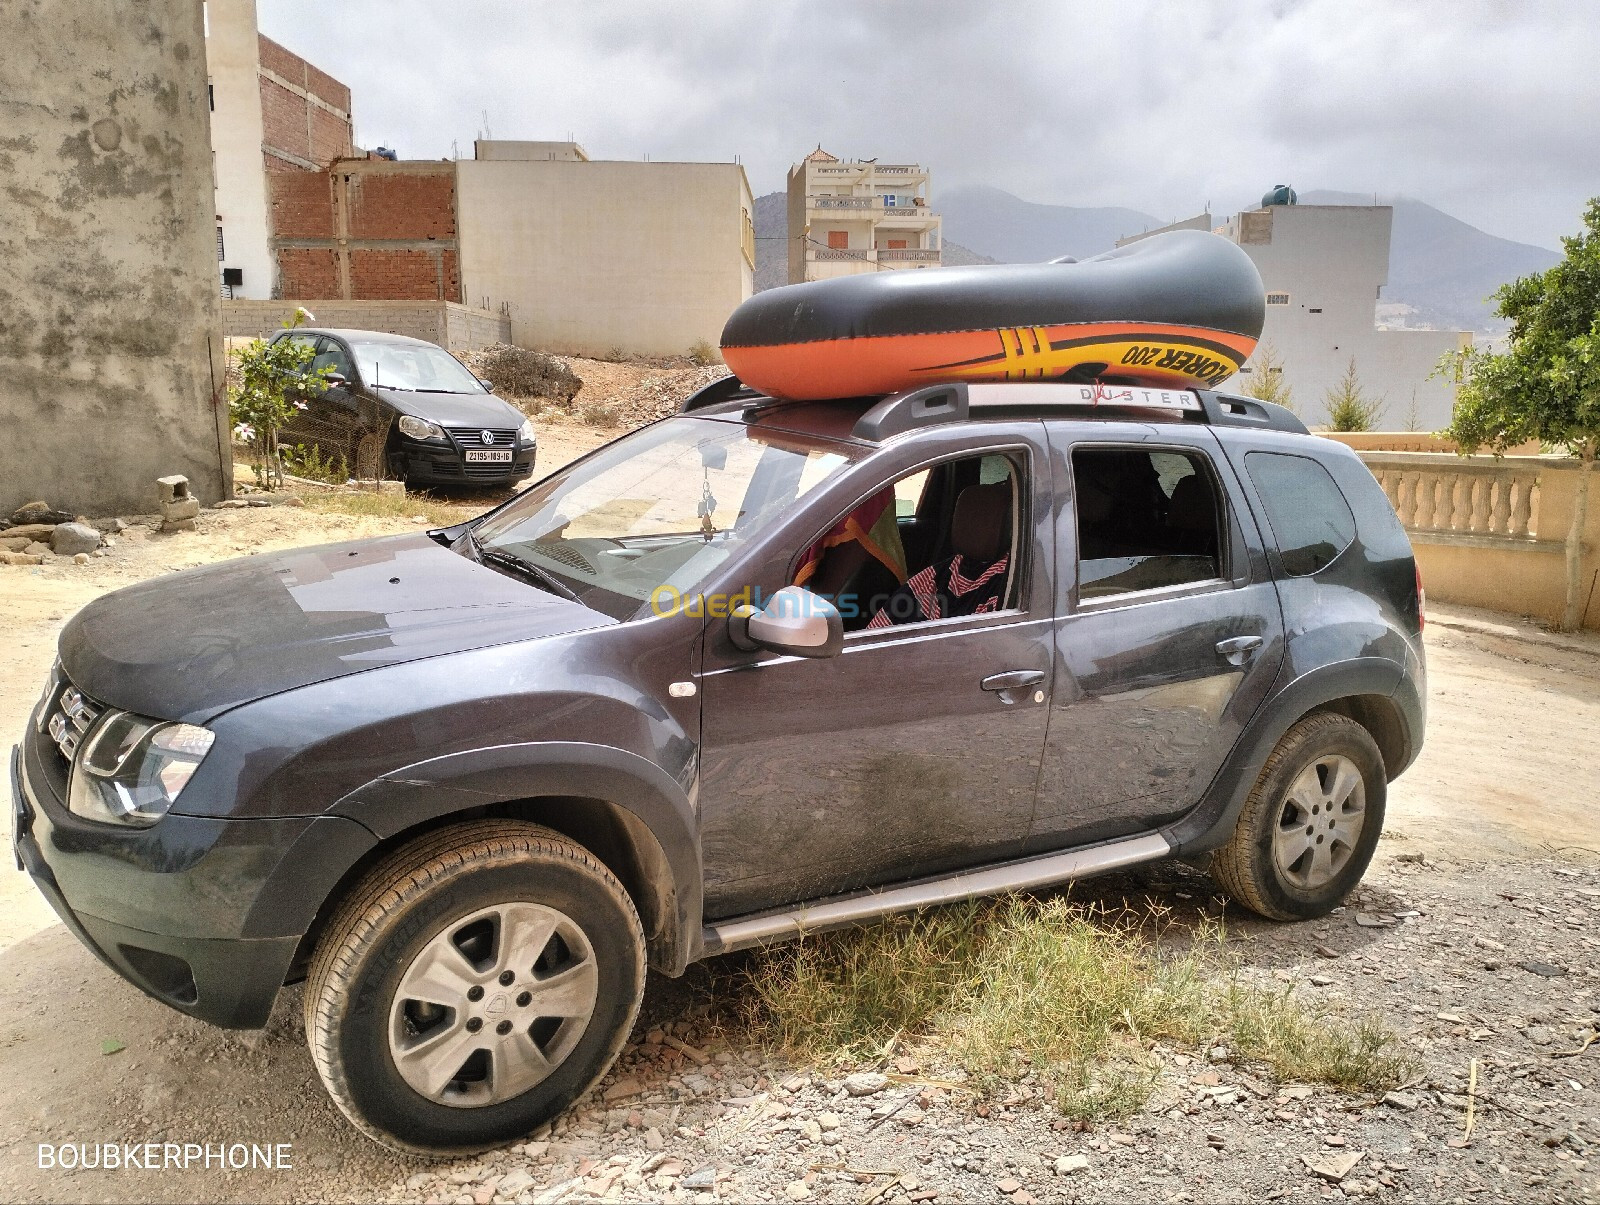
point(1489, 109)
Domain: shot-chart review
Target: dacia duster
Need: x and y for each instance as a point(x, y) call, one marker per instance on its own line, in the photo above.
point(757, 670)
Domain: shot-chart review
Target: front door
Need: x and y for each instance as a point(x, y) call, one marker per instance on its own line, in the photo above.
point(1168, 639)
point(906, 755)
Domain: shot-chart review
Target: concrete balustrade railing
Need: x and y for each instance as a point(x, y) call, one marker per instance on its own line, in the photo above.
point(1492, 533)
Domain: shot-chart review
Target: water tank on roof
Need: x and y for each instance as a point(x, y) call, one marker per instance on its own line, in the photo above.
point(1281, 194)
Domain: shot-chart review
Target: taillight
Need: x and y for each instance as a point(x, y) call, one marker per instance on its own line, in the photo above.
point(1422, 602)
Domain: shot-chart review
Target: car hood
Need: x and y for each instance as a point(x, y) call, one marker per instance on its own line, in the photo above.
point(454, 409)
point(193, 644)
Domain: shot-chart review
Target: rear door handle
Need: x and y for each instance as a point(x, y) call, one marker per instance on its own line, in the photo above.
point(1009, 684)
point(1238, 649)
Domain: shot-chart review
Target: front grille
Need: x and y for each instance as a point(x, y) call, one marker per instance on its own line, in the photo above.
point(70, 716)
point(472, 437)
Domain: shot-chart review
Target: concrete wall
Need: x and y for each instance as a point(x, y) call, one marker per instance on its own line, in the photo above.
point(646, 257)
point(108, 301)
point(236, 139)
point(457, 327)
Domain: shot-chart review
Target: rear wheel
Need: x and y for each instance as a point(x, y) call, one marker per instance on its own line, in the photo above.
point(475, 985)
point(1309, 827)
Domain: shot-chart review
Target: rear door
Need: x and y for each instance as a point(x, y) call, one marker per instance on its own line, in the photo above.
point(1169, 632)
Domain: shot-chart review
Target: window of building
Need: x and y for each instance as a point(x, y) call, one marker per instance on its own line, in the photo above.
point(1146, 520)
point(897, 244)
point(221, 255)
point(1310, 520)
point(1277, 299)
point(838, 240)
point(1315, 310)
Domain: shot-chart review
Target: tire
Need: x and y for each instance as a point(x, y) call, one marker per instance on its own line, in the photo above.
point(1308, 829)
point(411, 973)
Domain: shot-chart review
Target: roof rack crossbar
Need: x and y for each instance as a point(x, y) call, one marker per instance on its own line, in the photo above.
point(1231, 410)
point(924, 407)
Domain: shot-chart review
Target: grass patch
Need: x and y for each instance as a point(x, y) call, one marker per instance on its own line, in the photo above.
point(373, 505)
point(1071, 995)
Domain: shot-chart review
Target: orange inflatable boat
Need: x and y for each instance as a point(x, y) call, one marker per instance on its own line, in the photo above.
point(1177, 310)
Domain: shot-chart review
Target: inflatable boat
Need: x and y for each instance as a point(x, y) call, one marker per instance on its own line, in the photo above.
point(1176, 310)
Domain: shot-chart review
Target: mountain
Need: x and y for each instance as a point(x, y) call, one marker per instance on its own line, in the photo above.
point(994, 223)
point(772, 243)
point(1442, 271)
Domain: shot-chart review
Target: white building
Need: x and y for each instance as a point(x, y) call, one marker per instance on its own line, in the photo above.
point(591, 255)
point(1324, 268)
point(852, 217)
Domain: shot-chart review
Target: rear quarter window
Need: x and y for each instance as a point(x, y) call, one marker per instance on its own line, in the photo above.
point(1311, 521)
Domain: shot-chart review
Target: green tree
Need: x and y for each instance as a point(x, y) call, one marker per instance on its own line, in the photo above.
point(1349, 407)
point(273, 381)
point(1546, 384)
point(1267, 383)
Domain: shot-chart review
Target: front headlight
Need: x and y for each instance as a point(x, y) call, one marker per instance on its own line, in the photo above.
point(133, 769)
point(527, 434)
point(420, 428)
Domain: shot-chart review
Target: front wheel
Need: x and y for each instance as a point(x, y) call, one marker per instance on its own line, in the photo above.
point(476, 984)
point(1311, 824)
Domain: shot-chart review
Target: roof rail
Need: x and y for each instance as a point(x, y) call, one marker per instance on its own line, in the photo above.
point(1230, 410)
point(724, 389)
point(902, 412)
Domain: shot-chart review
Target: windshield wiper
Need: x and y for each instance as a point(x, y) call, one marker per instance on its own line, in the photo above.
point(453, 392)
point(526, 569)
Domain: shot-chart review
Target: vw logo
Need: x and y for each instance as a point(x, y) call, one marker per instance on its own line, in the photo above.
point(487, 437)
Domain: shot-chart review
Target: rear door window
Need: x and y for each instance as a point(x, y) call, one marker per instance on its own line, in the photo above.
point(1310, 520)
point(1147, 519)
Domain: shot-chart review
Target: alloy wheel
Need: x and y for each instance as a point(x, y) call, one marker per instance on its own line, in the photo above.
point(1320, 822)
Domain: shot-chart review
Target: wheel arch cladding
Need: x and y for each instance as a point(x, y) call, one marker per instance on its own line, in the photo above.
point(633, 816)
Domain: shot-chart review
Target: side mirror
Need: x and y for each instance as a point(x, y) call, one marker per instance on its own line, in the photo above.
point(489, 385)
point(794, 622)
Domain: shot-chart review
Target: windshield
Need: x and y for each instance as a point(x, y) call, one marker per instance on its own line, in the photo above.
point(416, 366)
point(664, 506)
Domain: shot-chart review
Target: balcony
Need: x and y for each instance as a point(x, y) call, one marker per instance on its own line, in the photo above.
point(871, 206)
point(907, 255)
point(890, 257)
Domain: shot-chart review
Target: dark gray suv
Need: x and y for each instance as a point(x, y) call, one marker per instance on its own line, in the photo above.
point(760, 669)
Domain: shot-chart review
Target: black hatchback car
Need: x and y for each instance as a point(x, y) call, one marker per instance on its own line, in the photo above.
point(756, 670)
point(408, 410)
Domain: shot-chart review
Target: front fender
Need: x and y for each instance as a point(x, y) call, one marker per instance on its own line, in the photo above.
point(664, 813)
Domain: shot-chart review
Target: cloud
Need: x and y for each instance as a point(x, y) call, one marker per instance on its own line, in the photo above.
point(1482, 107)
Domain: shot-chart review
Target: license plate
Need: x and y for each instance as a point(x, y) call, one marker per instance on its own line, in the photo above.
point(489, 455)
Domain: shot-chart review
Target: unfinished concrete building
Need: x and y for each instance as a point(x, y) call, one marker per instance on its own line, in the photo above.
point(110, 372)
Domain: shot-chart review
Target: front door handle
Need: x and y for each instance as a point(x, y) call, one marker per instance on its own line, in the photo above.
point(1010, 684)
point(1239, 649)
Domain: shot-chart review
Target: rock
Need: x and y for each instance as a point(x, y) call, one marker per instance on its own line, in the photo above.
point(294, 500)
point(811, 1130)
point(69, 539)
point(865, 1083)
point(20, 558)
point(1400, 1100)
point(1071, 1165)
point(622, 1089)
point(10, 545)
point(1007, 1185)
point(828, 1121)
point(796, 1190)
point(109, 527)
point(231, 504)
point(37, 548)
point(30, 531)
point(39, 512)
point(258, 502)
point(1321, 980)
point(1334, 1168)
point(1488, 943)
point(702, 1178)
point(513, 1182)
point(1295, 1092)
point(1369, 920)
point(80, 558)
point(1543, 969)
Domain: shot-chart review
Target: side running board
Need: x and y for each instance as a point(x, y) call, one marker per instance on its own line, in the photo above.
point(844, 910)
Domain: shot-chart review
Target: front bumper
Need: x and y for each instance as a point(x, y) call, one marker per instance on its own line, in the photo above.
point(436, 464)
point(198, 923)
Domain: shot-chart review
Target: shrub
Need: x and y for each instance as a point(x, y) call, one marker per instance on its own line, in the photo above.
point(310, 462)
point(523, 373)
point(1349, 407)
point(703, 354)
point(268, 390)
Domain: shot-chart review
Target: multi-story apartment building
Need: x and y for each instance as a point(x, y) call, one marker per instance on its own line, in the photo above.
point(1324, 268)
point(847, 217)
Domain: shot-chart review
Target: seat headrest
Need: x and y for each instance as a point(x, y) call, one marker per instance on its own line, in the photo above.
point(1191, 508)
point(980, 527)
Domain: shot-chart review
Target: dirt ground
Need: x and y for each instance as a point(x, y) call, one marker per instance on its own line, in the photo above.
point(1476, 935)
